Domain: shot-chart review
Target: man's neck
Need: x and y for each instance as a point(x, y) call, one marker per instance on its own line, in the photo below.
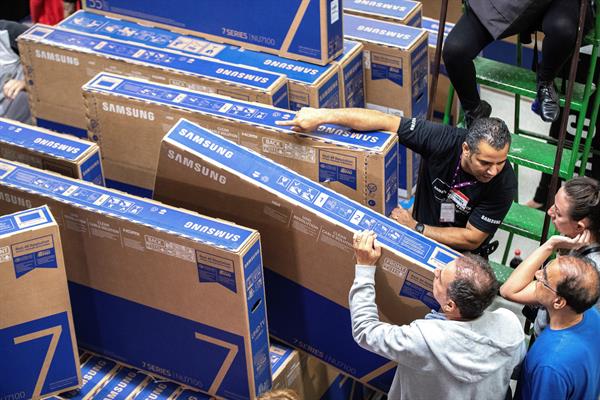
point(564, 319)
point(464, 164)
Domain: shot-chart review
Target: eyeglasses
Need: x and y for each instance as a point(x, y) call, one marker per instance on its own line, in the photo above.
point(543, 279)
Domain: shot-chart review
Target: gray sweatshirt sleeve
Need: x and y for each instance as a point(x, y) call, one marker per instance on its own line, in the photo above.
point(403, 344)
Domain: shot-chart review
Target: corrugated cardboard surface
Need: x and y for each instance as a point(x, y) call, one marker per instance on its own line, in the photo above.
point(308, 30)
point(44, 149)
point(405, 12)
point(37, 340)
point(158, 288)
point(307, 242)
point(57, 62)
point(364, 167)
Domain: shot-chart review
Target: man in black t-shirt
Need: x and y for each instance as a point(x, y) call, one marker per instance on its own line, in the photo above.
point(466, 187)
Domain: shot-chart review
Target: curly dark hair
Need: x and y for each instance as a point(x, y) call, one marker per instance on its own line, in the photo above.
point(580, 282)
point(475, 286)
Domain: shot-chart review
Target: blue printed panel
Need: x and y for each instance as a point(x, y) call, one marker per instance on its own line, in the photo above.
point(43, 142)
point(385, 72)
point(58, 127)
point(278, 356)
point(236, 20)
point(401, 36)
point(414, 288)
point(193, 65)
point(176, 348)
point(192, 395)
point(265, 173)
point(354, 85)
point(93, 372)
point(91, 170)
point(98, 24)
point(83, 194)
point(420, 74)
point(122, 385)
point(390, 8)
point(329, 94)
point(335, 167)
point(45, 258)
point(157, 391)
point(24, 348)
point(257, 316)
point(216, 269)
point(326, 317)
point(228, 108)
point(391, 181)
point(24, 220)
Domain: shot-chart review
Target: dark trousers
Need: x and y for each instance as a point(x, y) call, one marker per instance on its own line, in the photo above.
point(469, 37)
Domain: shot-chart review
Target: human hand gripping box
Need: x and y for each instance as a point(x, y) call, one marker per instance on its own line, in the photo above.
point(308, 30)
point(359, 165)
point(337, 84)
point(306, 231)
point(158, 288)
point(38, 350)
point(58, 61)
point(44, 149)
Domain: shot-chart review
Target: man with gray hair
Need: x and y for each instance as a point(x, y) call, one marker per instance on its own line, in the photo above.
point(466, 186)
point(462, 352)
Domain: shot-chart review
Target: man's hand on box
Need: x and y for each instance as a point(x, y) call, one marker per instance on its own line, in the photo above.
point(13, 87)
point(307, 119)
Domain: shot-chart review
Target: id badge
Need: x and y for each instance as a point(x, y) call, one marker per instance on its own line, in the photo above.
point(458, 198)
point(447, 212)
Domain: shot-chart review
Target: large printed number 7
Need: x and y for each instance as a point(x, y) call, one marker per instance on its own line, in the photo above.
point(55, 331)
point(233, 350)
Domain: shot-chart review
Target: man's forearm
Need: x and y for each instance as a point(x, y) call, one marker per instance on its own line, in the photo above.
point(362, 119)
point(457, 238)
point(523, 275)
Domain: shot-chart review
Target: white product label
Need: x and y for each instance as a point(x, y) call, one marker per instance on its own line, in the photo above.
point(4, 254)
point(335, 11)
point(169, 248)
point(367, 59)
point(387, 110)
point(394, 267)
point(288, 150)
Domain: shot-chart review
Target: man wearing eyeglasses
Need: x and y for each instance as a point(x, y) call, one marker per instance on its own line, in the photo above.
point(462, 352)
point(564, 361)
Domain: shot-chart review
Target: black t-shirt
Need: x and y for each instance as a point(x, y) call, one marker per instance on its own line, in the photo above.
point(440, 149)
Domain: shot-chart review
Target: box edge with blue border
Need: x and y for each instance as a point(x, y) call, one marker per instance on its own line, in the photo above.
point(212, 261)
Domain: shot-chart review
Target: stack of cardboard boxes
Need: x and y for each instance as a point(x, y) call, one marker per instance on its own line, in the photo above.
point(174, 304)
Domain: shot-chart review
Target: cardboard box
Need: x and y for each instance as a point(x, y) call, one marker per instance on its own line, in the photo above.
point(37, 339)
point(44, 149)
point(161, 289)
point(307, 30)
point(405, 12)
point(158, 390)
point(432, 8)
point(307, 234)
point(396, 70)
point(187, 394)
point(57, 62)
point(96, 372)
point(311, 378)
point(443, 85)
point(396, 64)
point(310, 85)
point(124, 385)
point(364, 167)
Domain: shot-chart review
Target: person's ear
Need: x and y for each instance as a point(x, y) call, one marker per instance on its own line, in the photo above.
point(559, 303)
point(582, 225)
point(449, 307)
point(465, 149)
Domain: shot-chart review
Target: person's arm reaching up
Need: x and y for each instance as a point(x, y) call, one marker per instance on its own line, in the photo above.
point(360, 119)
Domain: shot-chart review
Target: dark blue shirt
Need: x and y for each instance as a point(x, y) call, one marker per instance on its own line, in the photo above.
point(564, 364)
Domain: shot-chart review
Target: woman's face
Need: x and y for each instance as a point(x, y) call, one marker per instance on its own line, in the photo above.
point(559, 213)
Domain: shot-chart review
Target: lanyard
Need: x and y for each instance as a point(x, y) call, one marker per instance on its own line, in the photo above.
point(460, 185)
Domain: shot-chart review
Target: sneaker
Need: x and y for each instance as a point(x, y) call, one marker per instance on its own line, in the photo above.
point(546, 101)
point(483, 110)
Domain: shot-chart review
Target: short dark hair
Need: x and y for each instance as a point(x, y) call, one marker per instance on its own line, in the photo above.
point(474, 287)
point(584, 196)
point(493, 130)
point(579, 284)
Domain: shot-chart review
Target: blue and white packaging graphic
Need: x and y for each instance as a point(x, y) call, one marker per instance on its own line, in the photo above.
point(396, 70)
point(44, 149)
point(306, 231)
point(361, 166)
point(310, 85)
point(405, 12)
point(307, 30)
point(95, 373)
point(158, 390)
point(187, 394)
point(160, 289)
point(37, 341)
point(124, 385)
point(58, 61)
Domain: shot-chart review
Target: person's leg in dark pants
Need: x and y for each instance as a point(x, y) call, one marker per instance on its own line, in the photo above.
point(560, 33)
point(464, 42)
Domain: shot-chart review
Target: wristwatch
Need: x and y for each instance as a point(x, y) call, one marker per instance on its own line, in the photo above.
point(419, 227)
